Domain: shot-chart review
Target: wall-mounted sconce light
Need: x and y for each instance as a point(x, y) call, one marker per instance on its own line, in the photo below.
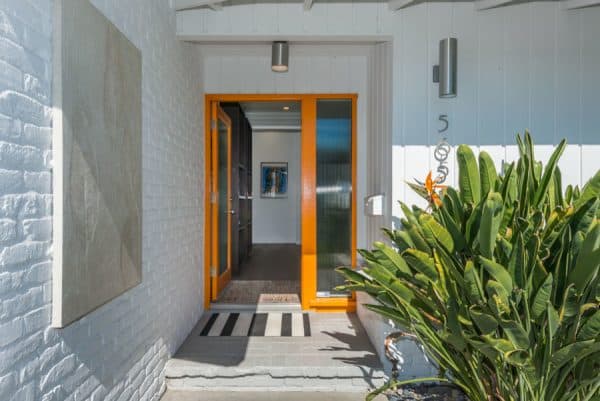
point(279, 56)
point(445, 72)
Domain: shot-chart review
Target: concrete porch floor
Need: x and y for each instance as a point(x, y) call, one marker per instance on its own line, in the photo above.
point(336, 357)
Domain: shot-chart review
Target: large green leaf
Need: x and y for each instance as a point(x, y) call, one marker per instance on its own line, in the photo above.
point(491, 217)
point(590, 190)
point(508, 190)
point(403, 240)
point(535, 169)
point(498, 298)
point(498, 272)
point(393, 257)
point(584, 216)
point(487, 173)
point(485, 322)
point(453, 324)
point(416, 237)
point(542, 189)
point(391, 313)
point(524, 185)
point(542, 297)
point(553, 320)
point(588, 260)
point(573, 352)
point(408, 213)
point(458, 239)
point(458, 213)
point(352, 274)
point(591, 328)
point(468, 177)
point(389, 281)
point(421, 262)
point(437, 232)
point(569, 306)
point(519, 358)
point(502, 345)
point(516, 263)
point(516, 334)
point(472, 225)
point(473, 284)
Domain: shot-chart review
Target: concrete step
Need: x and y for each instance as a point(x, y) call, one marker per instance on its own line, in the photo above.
point(274, 307)
point(337, 357)
point(202, 395)
point(276, 381)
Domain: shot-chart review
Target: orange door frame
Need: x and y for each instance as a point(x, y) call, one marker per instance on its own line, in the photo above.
point(308, 269)
point(219, 280)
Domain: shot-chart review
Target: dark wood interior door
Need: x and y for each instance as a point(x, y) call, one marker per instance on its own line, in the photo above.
point(241, 183)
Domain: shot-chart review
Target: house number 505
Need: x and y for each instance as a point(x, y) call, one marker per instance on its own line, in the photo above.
point(442, 150)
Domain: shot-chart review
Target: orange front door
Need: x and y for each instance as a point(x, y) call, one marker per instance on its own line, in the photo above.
point(321, 118)
point(220, 200)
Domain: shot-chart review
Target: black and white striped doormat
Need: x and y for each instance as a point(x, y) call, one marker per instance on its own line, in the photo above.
point(272, 324)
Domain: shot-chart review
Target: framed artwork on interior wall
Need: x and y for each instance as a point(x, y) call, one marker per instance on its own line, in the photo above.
point(273, 179)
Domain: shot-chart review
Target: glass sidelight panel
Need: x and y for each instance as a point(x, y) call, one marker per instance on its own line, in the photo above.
point(334, 192)
point(223, 194)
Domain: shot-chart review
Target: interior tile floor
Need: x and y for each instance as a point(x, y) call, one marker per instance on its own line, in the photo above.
point(270, 275)
point(271, 262)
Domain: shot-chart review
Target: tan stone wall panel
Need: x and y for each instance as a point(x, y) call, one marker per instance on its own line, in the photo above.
point(98, 171)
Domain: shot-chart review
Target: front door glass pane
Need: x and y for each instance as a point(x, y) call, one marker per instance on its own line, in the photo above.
point(223, 171)
point(334, 192)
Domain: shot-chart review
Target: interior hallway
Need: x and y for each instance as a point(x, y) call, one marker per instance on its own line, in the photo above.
point(271, 262)
point(271, 274)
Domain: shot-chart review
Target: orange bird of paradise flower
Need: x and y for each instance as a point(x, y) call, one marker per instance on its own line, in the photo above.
point(432, 185)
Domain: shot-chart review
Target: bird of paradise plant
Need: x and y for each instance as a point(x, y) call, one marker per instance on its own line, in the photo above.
point(430, 189)
point(501, 284)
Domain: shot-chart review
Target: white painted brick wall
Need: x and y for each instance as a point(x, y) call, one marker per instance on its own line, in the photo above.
point(118, 352)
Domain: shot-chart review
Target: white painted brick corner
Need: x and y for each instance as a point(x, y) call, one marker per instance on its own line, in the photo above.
point(118, 352)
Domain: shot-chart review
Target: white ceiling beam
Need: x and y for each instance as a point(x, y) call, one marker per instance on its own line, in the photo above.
point(575, 4)
point(398, 4)
point(481, 5)
point(216, 6)
point(179, 5)
point(308, 5)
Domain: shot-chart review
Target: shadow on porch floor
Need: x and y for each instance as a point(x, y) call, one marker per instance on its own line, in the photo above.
point(337, 356)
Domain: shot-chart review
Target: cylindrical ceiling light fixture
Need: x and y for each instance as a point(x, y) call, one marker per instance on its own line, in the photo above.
point(279, 56)
point(447, 68)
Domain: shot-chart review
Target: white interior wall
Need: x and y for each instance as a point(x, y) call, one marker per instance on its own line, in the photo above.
point(276, 220)
point(313, 69)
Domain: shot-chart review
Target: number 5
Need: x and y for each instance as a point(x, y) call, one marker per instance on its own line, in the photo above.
point(443, 118)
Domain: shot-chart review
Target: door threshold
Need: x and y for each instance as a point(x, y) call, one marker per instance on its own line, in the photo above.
point(280, 307)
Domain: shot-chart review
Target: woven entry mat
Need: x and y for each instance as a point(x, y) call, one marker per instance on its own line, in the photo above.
point(244, 292)
point(278, 299)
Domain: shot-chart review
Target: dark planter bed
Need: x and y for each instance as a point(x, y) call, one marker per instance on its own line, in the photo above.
point(427, 392)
